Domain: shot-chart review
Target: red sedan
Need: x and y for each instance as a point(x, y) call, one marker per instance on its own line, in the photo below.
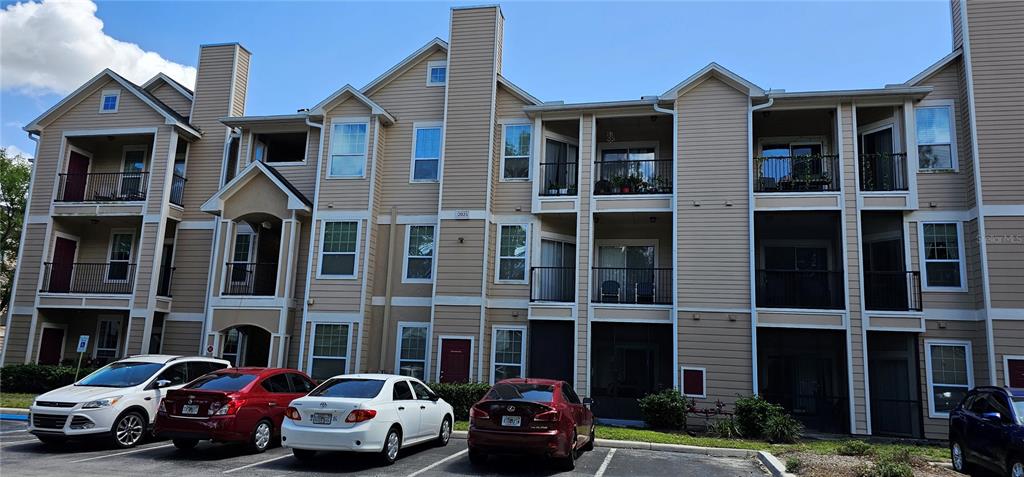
point(531, 416)
point(231, 405)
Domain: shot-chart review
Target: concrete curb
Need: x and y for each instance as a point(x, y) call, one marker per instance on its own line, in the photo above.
point(773, 464)
point(13, 414)
point(14, 410)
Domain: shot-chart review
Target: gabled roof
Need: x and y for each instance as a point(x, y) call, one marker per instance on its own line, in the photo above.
point(436, 44)
point(518, 92)
point(718, 71)
point(171, 116)
point(348, 91)
point(160, 77)
point(296, 200)
point(934, 68)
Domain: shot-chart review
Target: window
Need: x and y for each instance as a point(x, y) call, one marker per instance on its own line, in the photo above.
point(942, 245)
point(109, 100)
point(120, 256)
point(108, 338)
point(570, 395)
point(412, 350)
point(512, 253)
point(935, 138)
point(330, 350)
point(516, 153)
point(949, 374)
point(401, 391)
point(338, 249)
point(426, 153)
point(133, 184)
point(276, 384)
point(422, 393)
point(507, 355)
point(692, 380)
point(348, 150)
point(299, 383)
point(240, 257)
point(1013, 369)
point(230, 382)
point(280, 148)
point(419, 253)
point(176, 374)
point(437, 73)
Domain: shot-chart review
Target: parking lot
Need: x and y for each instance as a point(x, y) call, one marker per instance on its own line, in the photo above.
point(21, 454)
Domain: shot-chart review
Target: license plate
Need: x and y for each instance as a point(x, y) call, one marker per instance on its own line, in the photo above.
point(511, 421)
point(190, 409)
point(321, 418)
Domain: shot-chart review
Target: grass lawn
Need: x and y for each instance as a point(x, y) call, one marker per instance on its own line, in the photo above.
point(23, 400)
point(829, 447)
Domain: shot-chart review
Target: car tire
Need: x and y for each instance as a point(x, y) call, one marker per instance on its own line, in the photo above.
point(128, 430)
point(568, 463)
point(304, 455)
point(185, 444)
point(1015, 468)
point(589, 446)
point(445, 433)
point(958, 456)
point(477, 458)
point(392, 444)
point(262, 436)
point(52, 440)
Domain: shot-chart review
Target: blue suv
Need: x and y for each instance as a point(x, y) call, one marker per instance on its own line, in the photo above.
point(987, 429)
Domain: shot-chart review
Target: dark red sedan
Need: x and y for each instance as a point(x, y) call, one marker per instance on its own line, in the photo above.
point(231, 405)
point(531, 416)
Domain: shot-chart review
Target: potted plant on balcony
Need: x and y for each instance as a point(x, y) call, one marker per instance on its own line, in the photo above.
point(554, 188)
point(617, 184)
point(634, 183)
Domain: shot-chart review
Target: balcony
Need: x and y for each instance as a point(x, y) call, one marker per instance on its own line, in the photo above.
point(805, 173)
point(892, 291)
point(632, 176)
point(808, 289)
point(250, 279)
point(559, 179)
point(649, 286)
point(112, 278)
point(553, 284)
point(883, 172)
point(177, 190)
point(103, 187)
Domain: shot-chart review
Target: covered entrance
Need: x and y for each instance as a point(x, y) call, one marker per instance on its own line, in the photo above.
point(551, 350)
point(895, 388)
point(635, 359)
point(246, 345)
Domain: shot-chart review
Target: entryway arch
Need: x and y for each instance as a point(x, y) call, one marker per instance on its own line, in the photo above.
point(245, 345)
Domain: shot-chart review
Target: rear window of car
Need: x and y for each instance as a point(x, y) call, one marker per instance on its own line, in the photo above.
point(222, 382)
point(349, 388)
point(1018, 409)
point(522, 392)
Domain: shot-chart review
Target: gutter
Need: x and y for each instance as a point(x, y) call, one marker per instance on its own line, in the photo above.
point(312, 238)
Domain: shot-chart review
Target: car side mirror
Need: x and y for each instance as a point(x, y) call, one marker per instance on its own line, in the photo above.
point(992, 416)
point(435, 397)
point(162, 383)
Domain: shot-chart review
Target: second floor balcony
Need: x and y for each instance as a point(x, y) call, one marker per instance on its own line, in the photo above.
point(646, 286)
point(102, 187)
point(109, 278)
point(892, 291)
point(250, 279)
point(883, 172)
point(811, 289)
point(797, 173)
point(632, 172)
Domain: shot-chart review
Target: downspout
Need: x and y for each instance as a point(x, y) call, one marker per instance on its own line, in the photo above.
point(312, 238)
point(755, 385)
point(388, 287)
point(759, 107)
point(676, 384)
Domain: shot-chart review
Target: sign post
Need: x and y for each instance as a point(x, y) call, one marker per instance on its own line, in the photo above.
point(83, 343)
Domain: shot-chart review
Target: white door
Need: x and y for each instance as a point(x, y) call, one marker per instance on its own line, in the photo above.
point(430, 411)
point(407, 409)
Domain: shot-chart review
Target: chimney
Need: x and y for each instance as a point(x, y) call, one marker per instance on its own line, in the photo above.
point(957, 23)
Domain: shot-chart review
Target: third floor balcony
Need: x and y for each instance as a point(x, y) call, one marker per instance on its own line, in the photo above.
point(795, 151)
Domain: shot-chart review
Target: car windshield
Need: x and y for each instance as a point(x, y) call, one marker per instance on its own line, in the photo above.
point(222, 382)
point(122, 374)
point(1018, 409)
point(522, 392)
point(349, 388)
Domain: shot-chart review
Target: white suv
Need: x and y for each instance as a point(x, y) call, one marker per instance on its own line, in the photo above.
point(119, 399)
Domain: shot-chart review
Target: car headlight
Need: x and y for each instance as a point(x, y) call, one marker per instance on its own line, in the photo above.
point(101, 403)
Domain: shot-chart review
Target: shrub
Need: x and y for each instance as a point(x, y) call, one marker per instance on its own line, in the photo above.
point(725, 428)
point(38, 378)
point(854, 447)
point(461, 396)
point(781, 428)
point(794, 465)
point(900, 454)
point(665, 409)
point(884, 468)
point(752, 412)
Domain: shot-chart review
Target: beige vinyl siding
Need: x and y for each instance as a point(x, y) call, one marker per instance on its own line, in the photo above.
point(302, 258)
point(942, 299)
point(1005, 261)
point(1009, 341)
point(181, 337)
point(459, 264)
point(584, 252)
point(729, 373)
point(16, 336)
point(997, 64)
point(302, 176)
point(192, 256)
point(712, 242)
point(294, 343)
point(510, 195)
point(375, 337)
point(241, 81)
point(32, 257)
point(957, 23)
point(171, 97)
point(950, 190)
point(457, 321)
point(135, 332)
point(340, 295)
point(856, 338)
point(346, 193)
point(973, 331)
point(380, 268)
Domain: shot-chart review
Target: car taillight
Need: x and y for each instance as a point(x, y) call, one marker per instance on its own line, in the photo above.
point(477, 413)
point(360, 415)
point(228, 408)
point(547, 416)
point(293, 414)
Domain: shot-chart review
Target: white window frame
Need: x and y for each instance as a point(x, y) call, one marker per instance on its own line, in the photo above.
point(312, 345)
point(143, 184)
point(703, 378)
point(320, 251)
point(430, 68)
point(1006, 367)
point(494, 349)
point(498, 256)
point(116, 93)
point(406, 256)
point(416, 127)
point(338, 121)
point(305, 151)
point(924, 261)
point(529, 157)
point(953, 159)
point(117, 346)
point(402, 325)
point(928, 371)
point(110, 254)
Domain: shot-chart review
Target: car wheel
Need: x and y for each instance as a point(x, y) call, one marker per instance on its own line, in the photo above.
point(128, 430)
point(445, 434)
point(303, 454)
point(1016, 467)
point(477, 457)
point(569, 461)
point(392, 444)
point(260, 439)
point(958, 456)
point(52, 440)
point(589, 446)
point(185, 444)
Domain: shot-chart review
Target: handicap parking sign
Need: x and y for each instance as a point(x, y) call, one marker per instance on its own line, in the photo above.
point(83, 342)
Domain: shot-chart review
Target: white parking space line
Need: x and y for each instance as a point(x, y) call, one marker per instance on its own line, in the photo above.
point(236, 469)
point(604, 465)
point(435, 464)
point(18, 442)
point(4, 433)
point(121, 453)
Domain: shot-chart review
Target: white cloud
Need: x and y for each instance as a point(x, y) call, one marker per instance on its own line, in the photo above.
point(55, 46)
point(13, 151)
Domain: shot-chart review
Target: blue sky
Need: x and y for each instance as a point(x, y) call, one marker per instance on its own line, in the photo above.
point(303, 51)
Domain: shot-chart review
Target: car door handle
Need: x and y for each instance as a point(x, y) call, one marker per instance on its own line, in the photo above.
point(423, 407)
point(149, 399)
point(401, 408)
point(272, 404)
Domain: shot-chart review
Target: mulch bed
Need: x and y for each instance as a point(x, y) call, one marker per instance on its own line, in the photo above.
point(817, 465)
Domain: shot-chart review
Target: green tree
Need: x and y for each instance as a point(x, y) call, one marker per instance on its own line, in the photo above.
point(15, 173)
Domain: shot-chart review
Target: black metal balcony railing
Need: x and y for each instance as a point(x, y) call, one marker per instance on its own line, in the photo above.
point(814, 173)
point(892, 291)
point(559, 178)
point(553, 284)
point(177, 190)
point(816, 289)
point(652, 286)
point(253, 279)
point(633, 177)
point(103, 187)
point(163, 287)
point(115, 278)
point(883, 172)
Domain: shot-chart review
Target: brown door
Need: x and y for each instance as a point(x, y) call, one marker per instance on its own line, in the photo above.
point(455, 354)
point(63, 265)
point(49, 346)
point(74, 182)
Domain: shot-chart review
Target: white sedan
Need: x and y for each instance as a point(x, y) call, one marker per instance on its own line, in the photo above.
point(366, 413)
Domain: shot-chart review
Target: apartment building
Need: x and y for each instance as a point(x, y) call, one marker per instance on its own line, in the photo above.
point(855, 255)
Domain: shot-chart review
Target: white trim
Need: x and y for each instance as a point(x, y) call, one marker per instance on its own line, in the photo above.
point(522, 354)
point(703, 377)
point(718, 71)
point(954, 314)
point(1008, 314)
point(408, 301)
point(928, 343)
point(375, 109)
point(334, 317)
point(498, 257)
point(508, 303)
point(950, 105)
point(440, 357)
point(437, 64)
point(1006, 366)
point(116, 93)
point(348, 345)
point(416, 127)
point(320, 251)
point(196, 225)
point(961, 258)
point(110, 250)
point(341, 121)
point(402, 325)
point(456, 300)
point(406, 256)
point(1003, 210)
point(63, 342)
point(935, 67)
point(170, 82)
point(182, 316)
point(385, 219)
point(505, 124)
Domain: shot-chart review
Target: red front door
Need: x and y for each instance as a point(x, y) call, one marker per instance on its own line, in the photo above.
point(50, 344)
point(455, 354)
point(74, 182)
point(63, 265)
